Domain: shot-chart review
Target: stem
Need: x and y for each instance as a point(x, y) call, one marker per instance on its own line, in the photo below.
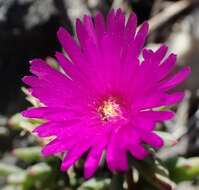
point(130, 180)
point(117, 181)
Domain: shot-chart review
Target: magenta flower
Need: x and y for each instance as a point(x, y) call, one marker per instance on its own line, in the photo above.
point(105, 98)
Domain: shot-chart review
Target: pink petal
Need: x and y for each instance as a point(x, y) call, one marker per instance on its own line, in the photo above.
point(43, 70)
point(131, 26)
point(141, 36)
point(158, 99)
point(59, 145)
point(89, 26)
point(157, 115)
point(100, 25)
point(82, 34)
point(93, 159)
point(147, 53)
point(146, 124)
point(74, 154)
point(68, 67)
point(69, 45)
point(137, 151)
point(69, 127)
point(110, 22)
point(152, 139)
point(176, 79)
point(53, 114)
point(167, 66)
point(56, 146)
point(116, 153)
point(52, 147)
point(160, 53)
point(120, 22)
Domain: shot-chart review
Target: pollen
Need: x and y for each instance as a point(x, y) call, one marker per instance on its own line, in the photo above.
point(109, 109)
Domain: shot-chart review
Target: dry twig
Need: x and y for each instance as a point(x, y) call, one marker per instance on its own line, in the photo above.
point(170, 12)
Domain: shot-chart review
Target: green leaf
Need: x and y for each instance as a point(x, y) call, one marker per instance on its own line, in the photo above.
point(182, 169)
point(38, 176)
point(6, 169)
point(39, 169)
point(34, 101)
point(168, 139)
point(12, 187)
point(153, 171)
point(4, 131)
point(16, 178)
point(95, 184)
point(19, 122)
point(29, 154)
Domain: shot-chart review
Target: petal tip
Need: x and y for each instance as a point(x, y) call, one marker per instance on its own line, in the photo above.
point(170, 115)
point(145, 26)
point(61, 31)
point(24, 113)
point(188, 69)
point(64, 167)
point(88, 174)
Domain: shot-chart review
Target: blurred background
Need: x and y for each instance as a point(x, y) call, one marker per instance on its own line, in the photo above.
point(28, 30)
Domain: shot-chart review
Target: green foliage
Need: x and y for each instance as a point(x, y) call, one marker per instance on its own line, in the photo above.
point(29, 154)
point(153, 172)
point(95, 184)
point(6, 169)
point(182, 169)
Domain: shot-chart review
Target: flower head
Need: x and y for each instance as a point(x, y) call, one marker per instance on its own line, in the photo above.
point(105, 98)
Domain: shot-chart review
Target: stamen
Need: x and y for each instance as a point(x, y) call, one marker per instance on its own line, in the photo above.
point(109, 109)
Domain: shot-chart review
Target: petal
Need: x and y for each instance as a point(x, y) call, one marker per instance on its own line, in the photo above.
point(166, 66)
point(69, 45)
point(160, 53)
point(147, 53)
point(120, 22)
point(60, 145)
point(42, 69)
point(176, 79)
point(158, 99)
point(131, 26)
point(100, 25)
point(82, 34)
point(56, 146)
point(110, 21)
point(157, 115)
point(137, 151)
point(116, 156)
point(74, 154)
point(78, 77)
point(69, 68)
point(66, 128)
point(88, 24)
point(146, 124)
point(141, 35)
point(152, 139)
point(52, 147)
point(173, 98)
point(133, 143)
point(53, 114)
point(93, 159)
point(50, 76)
point(53, 90)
